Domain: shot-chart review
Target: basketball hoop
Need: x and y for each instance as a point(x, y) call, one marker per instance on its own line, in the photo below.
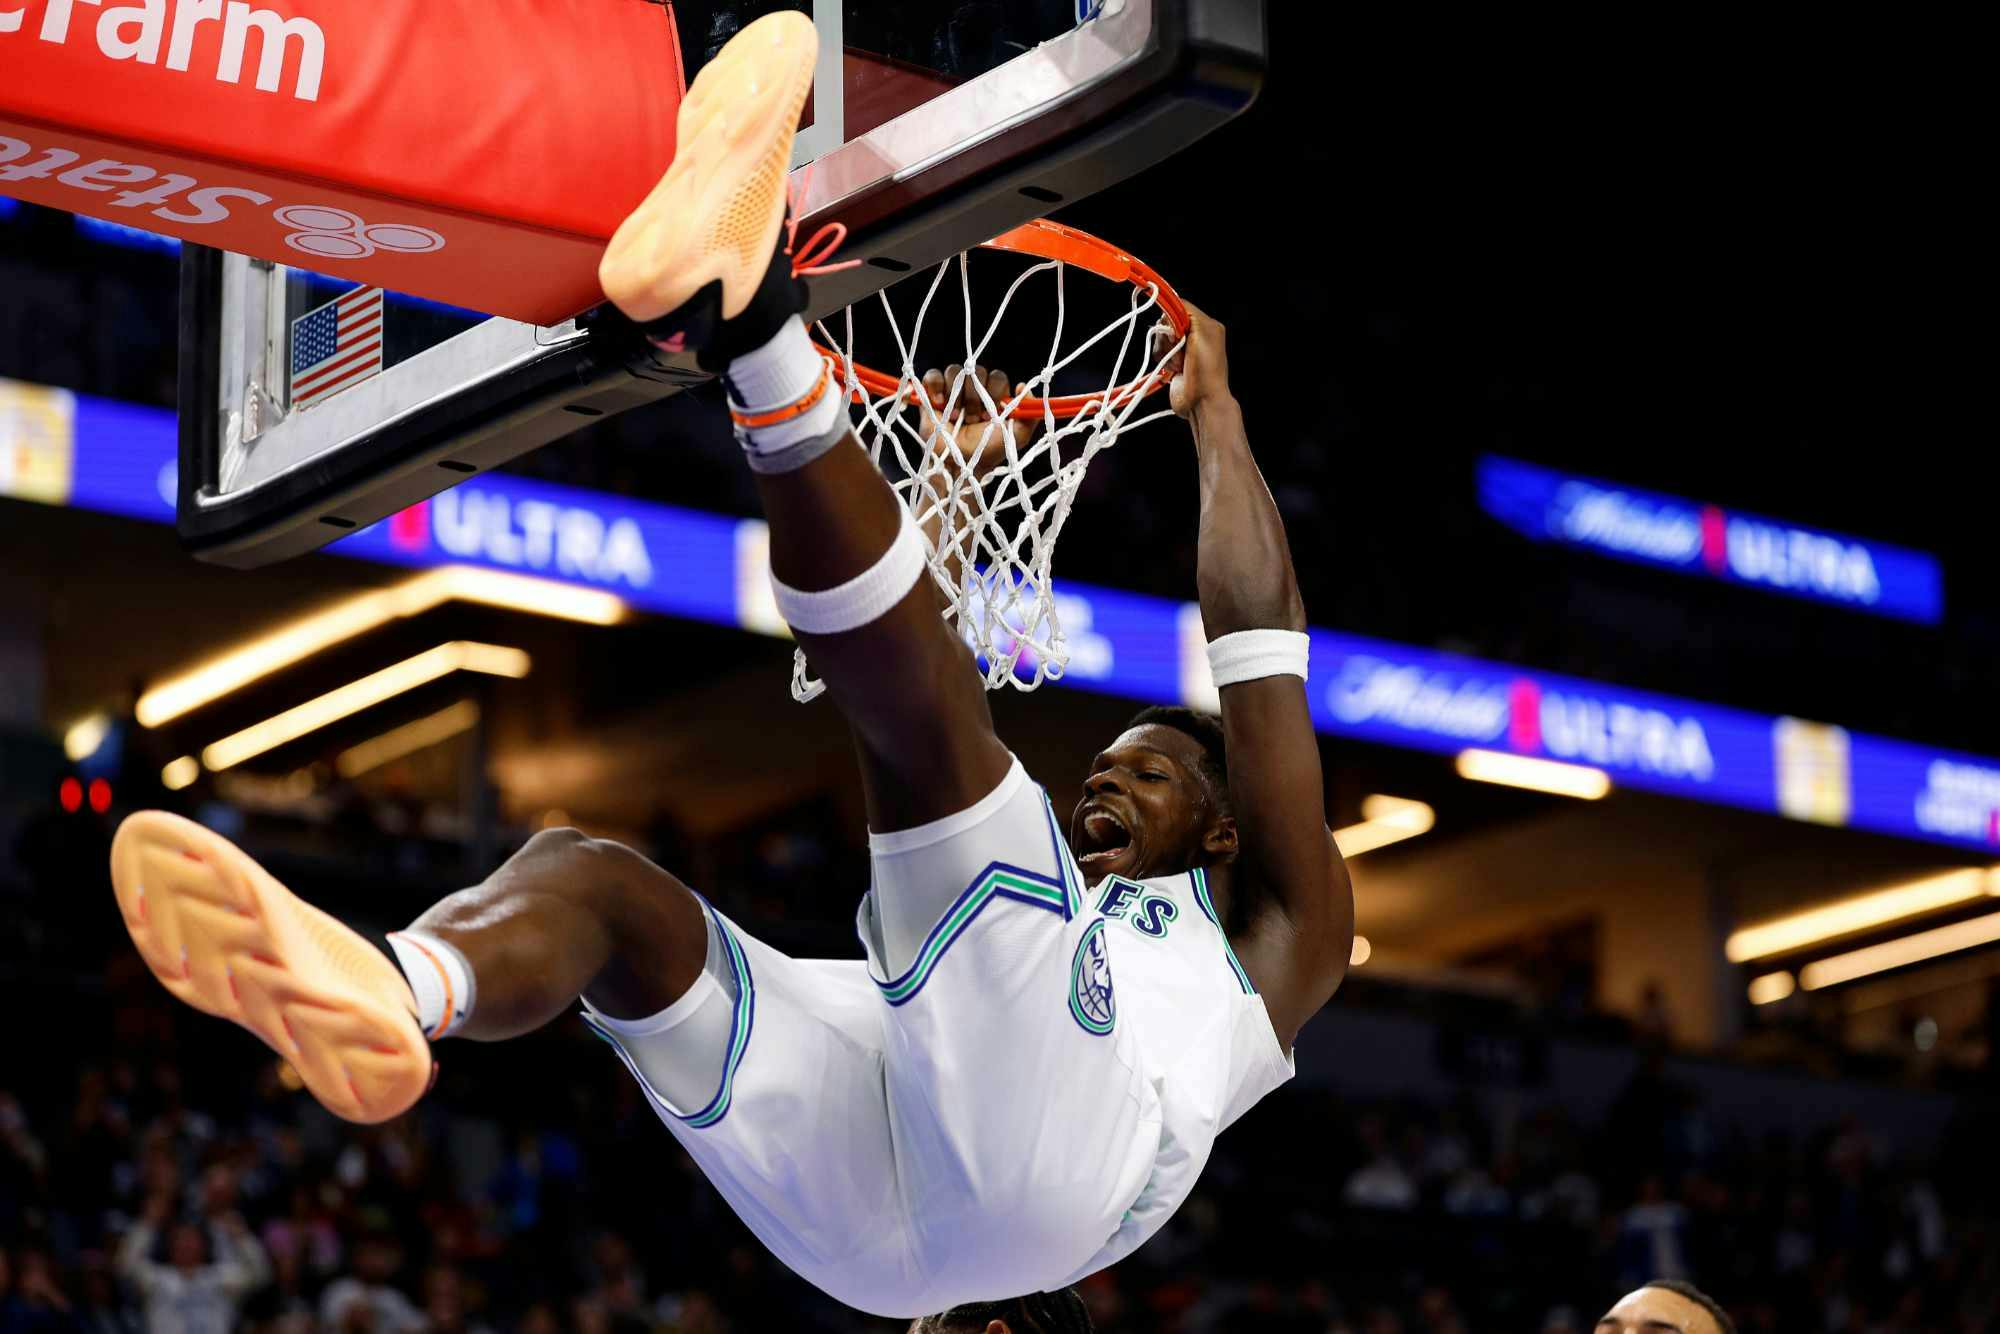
point(993, 528)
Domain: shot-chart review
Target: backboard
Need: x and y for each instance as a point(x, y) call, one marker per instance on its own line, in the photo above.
point(309, 409)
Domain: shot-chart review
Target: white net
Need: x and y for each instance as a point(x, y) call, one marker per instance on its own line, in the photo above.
point(992, 498)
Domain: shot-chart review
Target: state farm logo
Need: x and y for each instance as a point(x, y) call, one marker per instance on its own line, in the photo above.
point(325, 232)
point(149, 35)
point(102, 185)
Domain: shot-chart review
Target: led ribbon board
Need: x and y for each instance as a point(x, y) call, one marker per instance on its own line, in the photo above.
point(1649, 528)
point(78, 450)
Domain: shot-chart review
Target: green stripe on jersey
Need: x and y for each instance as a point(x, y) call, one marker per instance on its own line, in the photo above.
point(1200, 878)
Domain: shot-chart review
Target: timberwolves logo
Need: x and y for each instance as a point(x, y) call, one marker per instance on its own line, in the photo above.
point(1090, 1000)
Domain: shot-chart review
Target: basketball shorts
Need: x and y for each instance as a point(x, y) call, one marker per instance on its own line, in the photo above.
point(958, 1118)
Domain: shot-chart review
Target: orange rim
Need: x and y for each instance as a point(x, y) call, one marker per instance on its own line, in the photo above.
point(1051, 240)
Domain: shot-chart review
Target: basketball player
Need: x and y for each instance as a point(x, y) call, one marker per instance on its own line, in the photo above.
point(1043, 1313)
point(1666, 1306)
point(1024, 1078)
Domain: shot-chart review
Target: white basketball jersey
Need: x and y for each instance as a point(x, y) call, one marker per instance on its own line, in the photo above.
point(1205, 1035)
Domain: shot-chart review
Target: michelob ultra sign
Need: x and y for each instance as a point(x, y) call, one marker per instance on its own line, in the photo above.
point(1650, 528)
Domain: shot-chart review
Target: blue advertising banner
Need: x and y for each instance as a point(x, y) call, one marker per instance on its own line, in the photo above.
point(63, 448)
point(656, 557)
point(1653, 529)
point(1440, 701)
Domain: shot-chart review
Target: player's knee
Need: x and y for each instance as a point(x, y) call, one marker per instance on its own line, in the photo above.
point(638, 905)
point(561, 844)
point(606, 869)
point(651, 914)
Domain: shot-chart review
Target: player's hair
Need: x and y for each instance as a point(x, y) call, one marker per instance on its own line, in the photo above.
point(1037, 1313)
point(1205, 730)
point(1682, 1288)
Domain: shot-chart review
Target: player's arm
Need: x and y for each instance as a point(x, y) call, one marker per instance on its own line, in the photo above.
point(240, 1264)
point(134, 1257)
point(1301, 929)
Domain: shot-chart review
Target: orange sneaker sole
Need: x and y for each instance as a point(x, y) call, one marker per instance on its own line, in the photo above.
point(221, 934)
point(716, 213)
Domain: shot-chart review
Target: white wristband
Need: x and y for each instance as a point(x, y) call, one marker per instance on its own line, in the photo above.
point(1249, 655)
point(865, 597)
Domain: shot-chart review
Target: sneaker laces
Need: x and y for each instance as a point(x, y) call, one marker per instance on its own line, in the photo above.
point(810, 260)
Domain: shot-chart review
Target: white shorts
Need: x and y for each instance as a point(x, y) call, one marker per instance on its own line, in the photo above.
point(960, 1118)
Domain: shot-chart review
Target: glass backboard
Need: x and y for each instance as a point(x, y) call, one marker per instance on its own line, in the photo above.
point(310, 408)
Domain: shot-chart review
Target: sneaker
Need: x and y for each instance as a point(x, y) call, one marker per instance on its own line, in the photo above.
point(225, 937)
point(704, 263)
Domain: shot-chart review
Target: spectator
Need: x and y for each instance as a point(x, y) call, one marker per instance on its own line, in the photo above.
point(23, 1162)
point(556, 1200)
point(101, 1308)
point(1382, 1182)
point(540, 1319)
point(1652, 1238)
point(35, 1305)
point(446, 1304)
point(194, 1292)
point(1439, 1313)
point(1654, 1023)
point(364, 1302)
point(305, 1233)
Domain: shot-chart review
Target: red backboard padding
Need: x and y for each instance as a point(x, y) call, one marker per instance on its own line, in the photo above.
point(478, 152)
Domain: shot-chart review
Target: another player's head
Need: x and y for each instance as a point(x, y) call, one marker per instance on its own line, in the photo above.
point(1156, 801)
point(1666, 1306)
point(1040, 1313)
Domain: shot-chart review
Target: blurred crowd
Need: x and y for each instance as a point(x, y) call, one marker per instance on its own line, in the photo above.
point(160, 1173)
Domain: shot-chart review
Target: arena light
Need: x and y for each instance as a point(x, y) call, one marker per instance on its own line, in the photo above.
point(525, 593)
point(1564, 780)
point(1384, 820)
point(358, 615)
point(1772, 987)
point(1361, 952)
point(1900, 952)
point(370, 690)
point(180, 773)
point(85, 735)
point(407, 739)
point(1802, 929)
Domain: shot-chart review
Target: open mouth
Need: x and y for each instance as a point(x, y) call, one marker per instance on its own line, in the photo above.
point(1104, 837)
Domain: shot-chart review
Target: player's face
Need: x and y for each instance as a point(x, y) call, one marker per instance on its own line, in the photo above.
point(1144, 807)
point(1656, 1311)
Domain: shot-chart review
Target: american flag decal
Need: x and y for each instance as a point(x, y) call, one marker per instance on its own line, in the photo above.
point(337, 346)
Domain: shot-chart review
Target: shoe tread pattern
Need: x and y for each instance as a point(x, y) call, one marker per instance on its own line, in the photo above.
point(225, 937)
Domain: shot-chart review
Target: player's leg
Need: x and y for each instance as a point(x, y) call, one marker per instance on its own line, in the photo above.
point(906, 684)
point(701, 264)
point(566, 916)
point(1022, 1127)
point(767, 1068)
